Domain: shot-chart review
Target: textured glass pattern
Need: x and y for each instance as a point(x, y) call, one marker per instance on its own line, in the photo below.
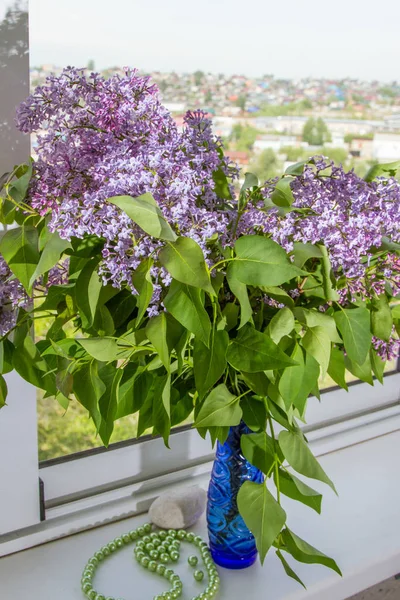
point(232, 545)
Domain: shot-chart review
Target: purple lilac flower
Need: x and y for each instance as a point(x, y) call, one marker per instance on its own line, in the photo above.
point(100, 138)
point(349, 216)
point(12, 296)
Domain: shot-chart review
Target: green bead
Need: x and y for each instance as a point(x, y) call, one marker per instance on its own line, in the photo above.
point(149, 547)
point(167, 596)
point(146, 539)
point(181, 534)
point(147, 527)
point(152, 566)
point(86, 579)
point(162, 534)
point(92, 595)
point(86, 587)
point(100, 597)
point(156, 543)
point(133, 535)
point(174, 577)
point(112, 546)
point(193, 560)
point(126, 538)
point(164, 557)
point(93, 561)
point(140, 555)
point(109, 598)
point(105, 550)
point(140, 531)
point(160, 569)
point(118, 542)
point(175, 594)
point(174, 556)
point(198, 575)
point(198, 540)
point(168, 573)
point(190, 536)
point(89, 569)
point(172, 532)
point(154, 554)
point(144, 561)
point(169, 539)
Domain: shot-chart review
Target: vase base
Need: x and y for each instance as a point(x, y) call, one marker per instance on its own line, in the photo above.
point(233, 562)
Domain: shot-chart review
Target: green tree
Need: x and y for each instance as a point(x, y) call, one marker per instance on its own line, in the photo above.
point(208, 96)
point(241, 101)
point(198, 77)
point(265, 165)
point(243, 136)
point(316, 132)
point(91, 65)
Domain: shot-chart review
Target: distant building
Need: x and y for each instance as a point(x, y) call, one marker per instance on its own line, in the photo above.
point(274, 142)
point(361, 148)
point(242, 159)
point(386, 147)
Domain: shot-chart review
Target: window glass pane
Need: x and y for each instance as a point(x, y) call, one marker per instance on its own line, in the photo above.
point(277, 81)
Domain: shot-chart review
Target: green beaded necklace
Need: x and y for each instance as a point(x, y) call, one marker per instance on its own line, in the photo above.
point(153, 551)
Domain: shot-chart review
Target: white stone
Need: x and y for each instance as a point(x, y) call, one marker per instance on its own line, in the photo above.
point(178, 510)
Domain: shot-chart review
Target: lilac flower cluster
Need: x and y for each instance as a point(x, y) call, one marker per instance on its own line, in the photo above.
point(100, 138)
point(345, 213)
point(12, 296)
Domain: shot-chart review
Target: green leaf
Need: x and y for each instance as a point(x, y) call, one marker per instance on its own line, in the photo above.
point(378, 365)
point(108, 405)
point(258, 382)
point(303, 552)
point(381, 318)
point(254, 413)
point(253, 351)
point(261, 513)
point(88, 288)
point(162, 406)
point(221, 187)
point(384, 170)
point(28, 363)
point(209, 363)
point(288, 569)
point(6, 360)
point(316, 342)
point(337, 369)
point(156, 331)
point(291, 381)
point(103, 349)
point(303, 252)
point(220, 408)
point(50, 256)
point(239, 290)
point(281, 324)
point(19, 247)
point(20, 184)
point(88, 389)
point(354, 326)
point(294, 488)
point(145, 212)
point(296, 168)
point(261, 262)
point(250, 180)
point(184, 260)
point(363, 372)
point(185, 304)
point(230, 316)
point(135, 386)
point(315, 318)
point(3, 391)
point(141, 279)
point(258, 448)
point(308, 384)
point(279, 295)
point(300, 457)
point(282, 194)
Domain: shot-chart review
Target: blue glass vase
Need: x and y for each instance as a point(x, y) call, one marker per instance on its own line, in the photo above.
point(232, 545)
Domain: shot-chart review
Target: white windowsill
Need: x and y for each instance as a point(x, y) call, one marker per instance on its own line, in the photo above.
point(360, 529)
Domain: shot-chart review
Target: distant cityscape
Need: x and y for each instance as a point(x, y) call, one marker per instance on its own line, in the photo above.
point(267, 122)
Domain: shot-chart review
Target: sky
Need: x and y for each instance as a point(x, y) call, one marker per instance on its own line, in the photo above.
point(287, 38)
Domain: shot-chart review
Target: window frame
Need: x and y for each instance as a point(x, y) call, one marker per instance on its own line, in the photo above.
point(106, 481)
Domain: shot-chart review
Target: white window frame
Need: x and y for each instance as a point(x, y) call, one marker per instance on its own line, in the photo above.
point(93, 487)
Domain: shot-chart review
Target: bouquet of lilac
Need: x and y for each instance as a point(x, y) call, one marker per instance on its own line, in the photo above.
point(173, 295)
